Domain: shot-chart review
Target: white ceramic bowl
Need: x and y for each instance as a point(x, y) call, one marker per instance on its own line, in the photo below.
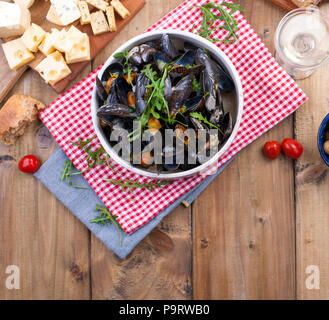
point(217, 55)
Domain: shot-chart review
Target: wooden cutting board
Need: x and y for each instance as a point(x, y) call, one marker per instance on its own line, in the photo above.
point(97, 43)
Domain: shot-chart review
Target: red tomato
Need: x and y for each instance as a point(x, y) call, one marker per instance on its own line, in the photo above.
point(292, 148)
point(29, 164)
point(272, 149)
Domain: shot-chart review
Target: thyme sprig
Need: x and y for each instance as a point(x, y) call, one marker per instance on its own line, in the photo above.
point(105, 217)
point(209, 20)
point(67, 174)
point(131, 184)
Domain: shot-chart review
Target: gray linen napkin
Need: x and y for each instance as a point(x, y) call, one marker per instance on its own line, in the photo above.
point(82, 203)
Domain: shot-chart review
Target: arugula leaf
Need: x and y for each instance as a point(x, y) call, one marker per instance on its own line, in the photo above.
point(106, 217)
point(67, 174)
point(131, 184)
point(209, 20)
point(199, 116)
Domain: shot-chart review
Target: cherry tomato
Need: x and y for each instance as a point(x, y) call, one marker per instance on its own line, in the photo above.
point(272, 149)
point(29, 164)
point(292, 148)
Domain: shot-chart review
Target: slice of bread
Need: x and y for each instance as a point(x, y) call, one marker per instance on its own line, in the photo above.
point(16, 114)
point(304, 3)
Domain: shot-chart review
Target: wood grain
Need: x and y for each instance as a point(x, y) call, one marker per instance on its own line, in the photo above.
point(160, 266)
point(312, 181)
point(243, 226)
point(286, 5)
point(38, 234)
point(97, 43)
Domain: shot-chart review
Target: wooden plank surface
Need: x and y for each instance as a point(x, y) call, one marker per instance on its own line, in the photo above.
point(241, 231)
point(38, 234)
point(160, 267)
point(243, 226)
point(312, 180)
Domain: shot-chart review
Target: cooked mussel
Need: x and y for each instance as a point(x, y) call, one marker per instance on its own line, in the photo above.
point(113, 70)
point(167, 47)
point(115, 109)
point(180, 94)
point(100, 90)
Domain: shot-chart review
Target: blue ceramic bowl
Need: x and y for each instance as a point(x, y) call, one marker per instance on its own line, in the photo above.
point(323, 128)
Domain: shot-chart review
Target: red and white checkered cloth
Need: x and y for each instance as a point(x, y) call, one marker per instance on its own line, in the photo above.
point(270, 95)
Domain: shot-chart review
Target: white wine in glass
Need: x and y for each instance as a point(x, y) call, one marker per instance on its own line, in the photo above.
point(302, 41)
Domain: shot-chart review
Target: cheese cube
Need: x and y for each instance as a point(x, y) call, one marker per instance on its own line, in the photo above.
point(111, 18)
point(16, 53)
point(14, 19)
point(53, 17)
point(66, 10)
point(62, 42)
point(84, 10)
point(33, 36)
point(25, 3)
point(98, 23)
point(53, 68)
point(120, 9)
point(47, 45)
point(80, 51)
point(99, 4)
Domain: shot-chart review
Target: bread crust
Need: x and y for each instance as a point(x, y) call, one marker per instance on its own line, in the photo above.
point(304, 3)
point(16, 114)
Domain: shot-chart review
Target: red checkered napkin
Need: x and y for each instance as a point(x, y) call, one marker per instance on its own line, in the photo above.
point(270, 95)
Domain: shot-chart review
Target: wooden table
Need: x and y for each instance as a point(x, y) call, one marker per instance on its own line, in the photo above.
point(251, 235)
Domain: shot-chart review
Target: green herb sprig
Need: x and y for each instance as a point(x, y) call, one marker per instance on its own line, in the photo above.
point(126, 65)
point(210, 18)
point(199, 116)
point(67, 174)
point(105, 217)
point(131, 184)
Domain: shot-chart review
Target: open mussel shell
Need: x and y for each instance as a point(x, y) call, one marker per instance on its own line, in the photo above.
point(225, 83)
point(114, 69)
point(161, 60)
point(193, 104)
point(134, 56)
point(171, 159)
point(187, 59)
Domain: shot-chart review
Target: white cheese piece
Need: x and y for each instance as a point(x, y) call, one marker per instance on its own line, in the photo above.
point(66, 39)
point(62, 42)
point(16, 53)
point(80, 51)
point(84, 10)
point(33, 36)
point(121, 10)
point(53, 68)
point(53, 17)
point(111, 18)
point(25, 3)
point(14, 19)
point(98, 23)
point(66, 10)
point(99, 4)
point(47, 45)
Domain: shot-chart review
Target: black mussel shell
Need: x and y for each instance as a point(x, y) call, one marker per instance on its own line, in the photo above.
point(167, 47)
point(227, 125)
point(115, 68)
point(115, 109)
point(161, 60)
point(101, 92)
point(194, 104)
point(147, 53)
point(135, 56)
point(122, 89)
